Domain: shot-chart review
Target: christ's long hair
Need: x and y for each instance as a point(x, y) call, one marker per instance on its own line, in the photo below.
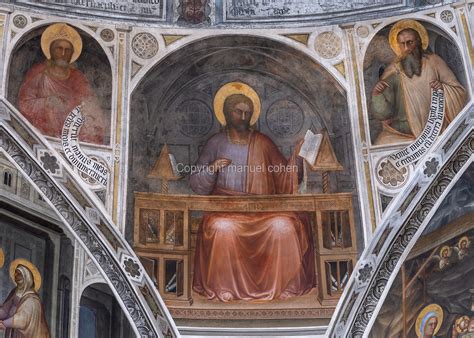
point(231, 101)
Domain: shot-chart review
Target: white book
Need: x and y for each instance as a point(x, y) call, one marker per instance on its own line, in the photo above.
point(310, 148)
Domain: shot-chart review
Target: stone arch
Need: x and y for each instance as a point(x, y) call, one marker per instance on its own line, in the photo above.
point(437, 270)
point(195, 39)
point(133, 290)
point(101, 309)
point(406, 218)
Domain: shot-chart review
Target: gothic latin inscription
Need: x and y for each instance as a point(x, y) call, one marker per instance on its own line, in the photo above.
point(267, 9)
point(152, 8)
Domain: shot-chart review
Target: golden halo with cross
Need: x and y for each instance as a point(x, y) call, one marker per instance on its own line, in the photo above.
point(432, 310)
point(61, 31)
point(405, 24)
point(233, 88)
point(30, 266)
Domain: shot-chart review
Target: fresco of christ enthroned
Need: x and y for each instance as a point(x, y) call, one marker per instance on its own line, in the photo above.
point(244, 256)
point(256, 238)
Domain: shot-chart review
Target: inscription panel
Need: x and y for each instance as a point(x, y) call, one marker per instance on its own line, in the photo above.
point(140, 8)
point(274, 9)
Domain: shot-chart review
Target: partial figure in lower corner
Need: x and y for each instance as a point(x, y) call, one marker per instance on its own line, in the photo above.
point(401, 99)
point(22, 314)
point(429, 321)
point(245, 255)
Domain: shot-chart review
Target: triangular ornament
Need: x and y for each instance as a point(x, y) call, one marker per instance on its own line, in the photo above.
point(301, 38)
point(326, 159)
point(94, 29)
point(164, 167)
point(341, 69)
point(135, 68)
point(169, 39)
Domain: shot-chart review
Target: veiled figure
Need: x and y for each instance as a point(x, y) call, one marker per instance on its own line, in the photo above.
point(429, 321)
point(22, 315)
point(245, 256)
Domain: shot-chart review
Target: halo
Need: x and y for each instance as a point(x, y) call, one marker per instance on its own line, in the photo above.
point(2, 258)
point(61, 31)
point(30, 266)
point(429, 308)
point(458, 323)
point(446, 247)
point(461, 240)
point(404, 24)
point(232, 88)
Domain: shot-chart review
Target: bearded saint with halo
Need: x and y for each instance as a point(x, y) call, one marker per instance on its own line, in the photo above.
point(402, 97)
point(51, 89)
point(249, 255)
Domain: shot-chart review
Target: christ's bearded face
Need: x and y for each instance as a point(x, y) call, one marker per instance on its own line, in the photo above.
point(409, 43)
point(238, 110)
point(240, 116)
point(61, 52)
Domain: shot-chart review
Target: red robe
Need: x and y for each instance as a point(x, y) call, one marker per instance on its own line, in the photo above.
point(39, 86)
point(261, 255)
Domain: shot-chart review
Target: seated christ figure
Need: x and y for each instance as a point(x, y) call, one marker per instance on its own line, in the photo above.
point(249, 255)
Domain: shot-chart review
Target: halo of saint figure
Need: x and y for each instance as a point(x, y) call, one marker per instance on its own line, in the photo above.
point(429, 321)
point(246, 256)
point(22, 314)
point(53, 88)
point(402, 96)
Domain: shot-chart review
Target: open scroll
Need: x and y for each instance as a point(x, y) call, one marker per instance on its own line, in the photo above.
point(73, 152)
point(426, 139)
